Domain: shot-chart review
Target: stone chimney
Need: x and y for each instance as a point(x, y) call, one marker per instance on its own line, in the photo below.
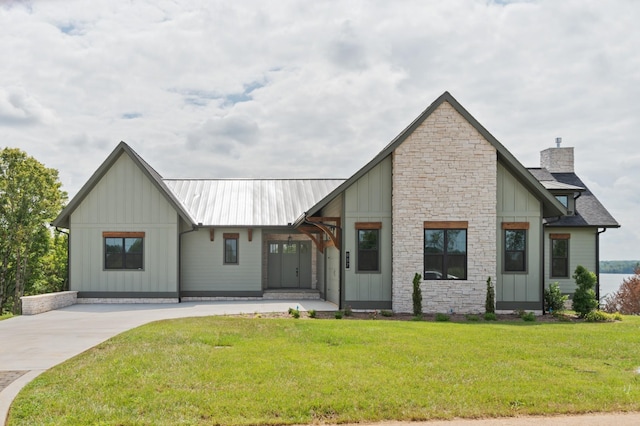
point(557, 160)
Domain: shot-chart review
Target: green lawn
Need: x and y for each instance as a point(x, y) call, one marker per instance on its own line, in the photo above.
point(5, 316)
point(224, 370)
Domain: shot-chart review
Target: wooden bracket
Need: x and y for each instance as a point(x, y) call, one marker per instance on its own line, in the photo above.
point(212, 233)
point(333, 234)
point(312, 232)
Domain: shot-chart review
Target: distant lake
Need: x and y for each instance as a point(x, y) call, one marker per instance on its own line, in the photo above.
point(611, 282)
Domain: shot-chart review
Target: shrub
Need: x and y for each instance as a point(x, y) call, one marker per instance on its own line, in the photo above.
point(338, 315)
point(348, 311)
point(584, 299)
point(417, 295)
point(490, 302)
point(386, 313)
point(554, 300)
point(529, 317)
point(294, 313)
point(519, 313)
point(471, 317)
point(312, 313)
point(599, 316)
point(490, 316)
point(626, 299)
point(440, 317)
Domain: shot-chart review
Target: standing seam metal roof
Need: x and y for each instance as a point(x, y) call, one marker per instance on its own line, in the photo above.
point(249, 202)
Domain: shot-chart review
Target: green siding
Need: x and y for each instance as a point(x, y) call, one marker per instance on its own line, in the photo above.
point(124, 200)
point(517, 204)
point(582, 251)
point(203, 267)
point(332, 257)
point(369, 200)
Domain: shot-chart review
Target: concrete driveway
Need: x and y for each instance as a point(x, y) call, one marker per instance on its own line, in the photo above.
point(30, 345)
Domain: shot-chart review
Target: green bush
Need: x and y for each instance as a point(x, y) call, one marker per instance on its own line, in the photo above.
point(417, 295)
point(472, 317)
point(529, 317)
point(295, 313)
point(312, 313)
point(386, 313)
point(554, 300)
point(338, 315)
point(490, 302)
point(348, 311)
point(584, 299)
point(490, 316)
point(599, 316)
point(440, 317)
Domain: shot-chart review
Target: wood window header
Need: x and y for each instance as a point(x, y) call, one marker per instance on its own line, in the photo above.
point(368, 225)
point(446, 224)
point(231, 235)
point(515, 225)
point(560, 236)
point(108, 234)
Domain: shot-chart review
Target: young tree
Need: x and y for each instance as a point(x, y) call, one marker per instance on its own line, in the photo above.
point(417, 295)
point(627, 299)
point(490, 300)
point(30, 197)
point(584, 299)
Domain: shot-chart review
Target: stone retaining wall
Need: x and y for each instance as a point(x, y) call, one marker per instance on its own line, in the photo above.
point(32, 305)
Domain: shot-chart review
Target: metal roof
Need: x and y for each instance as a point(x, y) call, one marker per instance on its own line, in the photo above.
point(249, 202)
point(559, 186)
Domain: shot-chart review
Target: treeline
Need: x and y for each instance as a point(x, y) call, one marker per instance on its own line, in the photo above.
point(618, 266)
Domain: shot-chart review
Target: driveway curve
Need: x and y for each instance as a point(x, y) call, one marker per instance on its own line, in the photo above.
point(29, 345)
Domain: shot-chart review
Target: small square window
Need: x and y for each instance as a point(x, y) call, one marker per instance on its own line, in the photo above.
point(123, 250)
point(445, 254)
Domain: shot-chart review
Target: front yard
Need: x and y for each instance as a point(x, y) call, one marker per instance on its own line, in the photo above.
point(228, 370)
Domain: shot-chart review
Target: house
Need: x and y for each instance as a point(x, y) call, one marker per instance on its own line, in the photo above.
point(444, 198)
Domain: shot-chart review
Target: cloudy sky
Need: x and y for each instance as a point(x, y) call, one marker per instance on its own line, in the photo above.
point(316, 88)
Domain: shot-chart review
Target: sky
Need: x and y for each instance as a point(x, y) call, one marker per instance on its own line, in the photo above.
point(294, 89)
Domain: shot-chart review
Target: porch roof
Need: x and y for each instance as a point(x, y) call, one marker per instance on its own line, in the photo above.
point(249, 202)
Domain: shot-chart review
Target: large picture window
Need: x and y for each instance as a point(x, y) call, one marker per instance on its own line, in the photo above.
point(231, 249)
point(560, 255)
point(445, 251)
point(123, 250)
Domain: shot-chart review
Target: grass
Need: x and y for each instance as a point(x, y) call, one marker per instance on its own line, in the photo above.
point(5, 316)
point(224, 370)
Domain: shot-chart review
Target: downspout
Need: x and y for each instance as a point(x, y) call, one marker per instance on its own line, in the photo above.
point(543, 262)
point(68, 234)
point(193, 228)
point(598, 264)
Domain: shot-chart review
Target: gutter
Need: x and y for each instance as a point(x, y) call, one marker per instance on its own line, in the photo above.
point(193, 228)
point(598, 264)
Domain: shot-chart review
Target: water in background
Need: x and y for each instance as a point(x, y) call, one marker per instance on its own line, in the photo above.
point(611, 282)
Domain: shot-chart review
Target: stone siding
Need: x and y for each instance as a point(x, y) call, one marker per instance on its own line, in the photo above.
point(557, 160)
point(444, 171)
point(32, 305)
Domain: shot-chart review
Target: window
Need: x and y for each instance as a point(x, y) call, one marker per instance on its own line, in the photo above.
point(368, 235)
point(560, 255)
point(123, 250)
point(231, 249)
point(445, 250)
point(564, 199)
point(515, 246)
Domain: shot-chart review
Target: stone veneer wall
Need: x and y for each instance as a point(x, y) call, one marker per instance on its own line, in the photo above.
point(444, 171)
point(32, 305)
point(557, 160)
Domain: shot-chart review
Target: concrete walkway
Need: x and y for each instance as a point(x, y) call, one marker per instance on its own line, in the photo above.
point(30, 345)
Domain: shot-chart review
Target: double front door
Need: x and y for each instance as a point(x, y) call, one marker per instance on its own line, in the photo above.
point(289, 264)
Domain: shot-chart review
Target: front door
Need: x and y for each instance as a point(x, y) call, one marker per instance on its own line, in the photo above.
point(289, 264)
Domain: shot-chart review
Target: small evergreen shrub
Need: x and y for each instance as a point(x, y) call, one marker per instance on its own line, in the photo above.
point(417, 295)
point(529, 317)
point(312, 313)
point(554, 300)
point(440, 317)
point(490, 302)
point(386, 313)
point(584, 299)
point(472, 317)
point(490, 316)
point(294, 313)
point(338, 315)
point(599, 316)
point(348, 311)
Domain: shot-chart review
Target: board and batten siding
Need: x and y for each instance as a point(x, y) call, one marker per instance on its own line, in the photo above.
point(332, 255)
point(368, 200)
point(517, 290)
point(204, 271)
point(582, 251)
point(124, 200)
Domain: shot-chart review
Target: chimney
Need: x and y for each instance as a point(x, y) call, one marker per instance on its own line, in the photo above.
point(557, 160)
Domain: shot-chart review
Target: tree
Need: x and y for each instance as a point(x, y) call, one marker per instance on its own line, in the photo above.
point(490, 300)
point(417, 295)
point(30, 197)
point(584, 299)
point(627, 299)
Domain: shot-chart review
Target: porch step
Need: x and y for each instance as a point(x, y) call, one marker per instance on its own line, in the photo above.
point(291, 294)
